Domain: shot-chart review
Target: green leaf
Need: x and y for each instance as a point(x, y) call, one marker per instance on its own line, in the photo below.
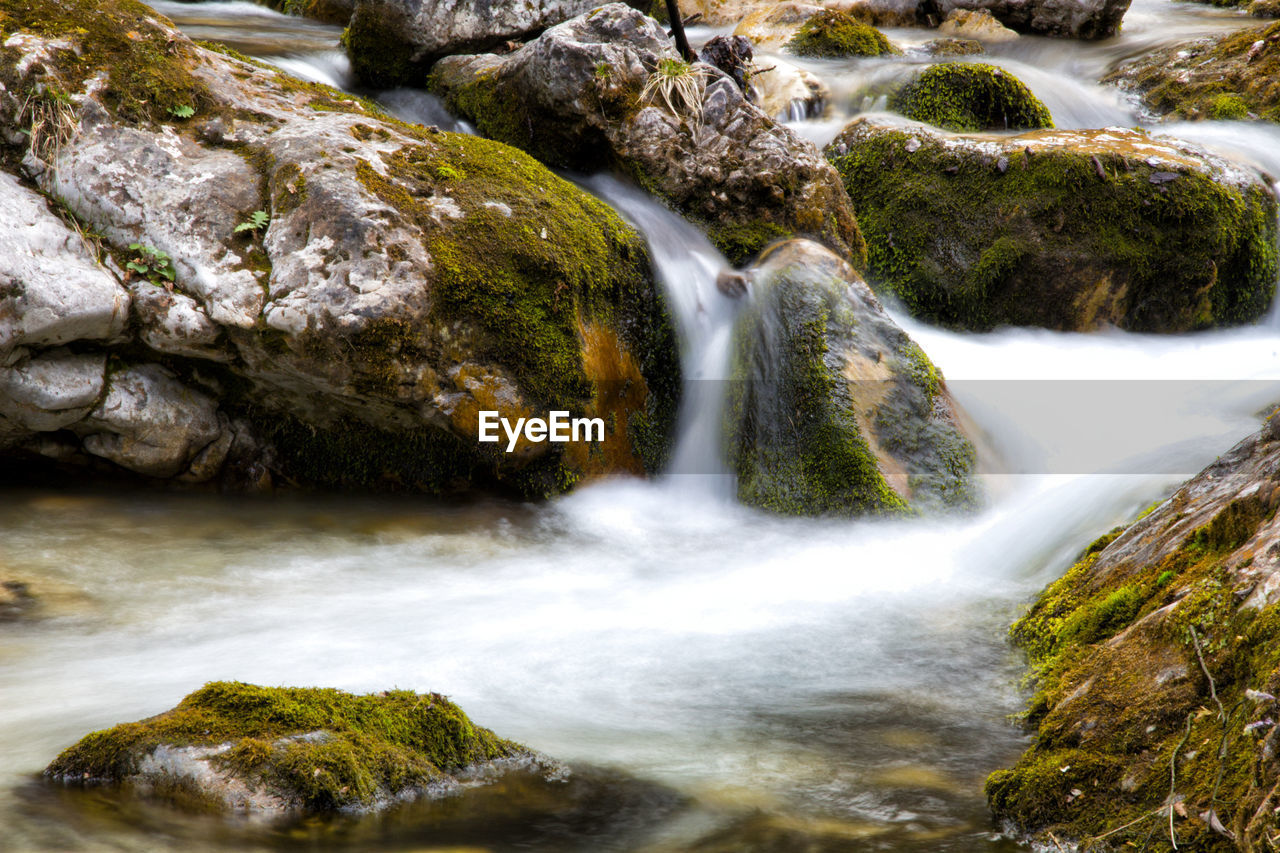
point(259, 218)
point(245, 226)
point(135, 246)
point(183, 111)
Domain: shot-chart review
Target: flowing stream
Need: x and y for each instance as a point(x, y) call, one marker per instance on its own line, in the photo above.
point(720, 679)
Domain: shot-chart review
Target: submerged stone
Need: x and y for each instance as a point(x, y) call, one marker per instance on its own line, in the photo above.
point(280, 750)
point(1061, 229)
point(833, 409)
point(1156, 663)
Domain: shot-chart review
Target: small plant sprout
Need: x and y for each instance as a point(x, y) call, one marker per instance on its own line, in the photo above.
point(679, 85)
point(151, 264)
point(182, 111)
point(603, 71)
point(256, 222)
point(448, 173)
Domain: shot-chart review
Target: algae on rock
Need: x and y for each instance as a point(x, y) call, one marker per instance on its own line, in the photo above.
point(283, 749)
point(1060, 229)
point(833, 409)
point(836, 33)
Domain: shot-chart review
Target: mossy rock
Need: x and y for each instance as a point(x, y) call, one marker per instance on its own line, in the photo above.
point(233, 745)
point(964, 96)
point(833, 409)
point(834, 33)
point(1061, 229)
point(1235, 75)
point(1154, 663)
point(328, 11)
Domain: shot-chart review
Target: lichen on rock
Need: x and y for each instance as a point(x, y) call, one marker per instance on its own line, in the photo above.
point(278, 750)
point(1060, 229)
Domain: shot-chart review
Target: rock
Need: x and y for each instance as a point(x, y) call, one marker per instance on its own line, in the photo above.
point(52, 291)
point(964, 96)
point(16, 600)
point(398, 279)
point(149, 422)
point(771, 26)
point(1124, 646)
point(1264, 8)
point(274, 751)
point(51, 390)
point(834, 33)
point(575, 98)
point(25, 599)
point(788, 92)
point(731, 54)
point(394, 42)
point(979, 25)
point(952, 47)
point(329, 11)
point(1060, 229)
point(1079, 19)
point(1229, 76)
point(834, 409)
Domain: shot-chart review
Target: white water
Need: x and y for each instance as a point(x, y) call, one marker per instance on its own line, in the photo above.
point(836, 684)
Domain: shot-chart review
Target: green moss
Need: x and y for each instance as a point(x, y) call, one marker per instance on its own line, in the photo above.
point(147, 74)
point(380, 56)
point(368, 745)
point(1222, 77)
point(329, 11)
point(1228, 107)
point(964, 96)
point(1058, 239)
point(795, 445)
point(837, 33)
point(1116, 718)
point(739, 242)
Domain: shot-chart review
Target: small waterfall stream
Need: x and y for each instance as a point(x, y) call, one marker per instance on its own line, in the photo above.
point(723, 679)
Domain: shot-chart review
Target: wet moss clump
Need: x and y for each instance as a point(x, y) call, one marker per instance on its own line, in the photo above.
point(1234, 76)
point(962, 96)
point(837, 33)
point(317, 748)
point(148, 76)
point(1150, 681)
point(380, 56)
point(1060, 237)
point(329, 11)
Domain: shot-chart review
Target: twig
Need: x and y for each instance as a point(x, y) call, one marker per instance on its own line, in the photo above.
point(1213, 690)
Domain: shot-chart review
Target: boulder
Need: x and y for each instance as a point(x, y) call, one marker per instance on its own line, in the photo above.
point(274, 751)
point(52, 289)
point(1060, 229)
point(1078, 19)
point(1264, 8)
point(1157, 666)
point(787, 92)
point(834, 33)
point(329, 11)
point(833, 409)
point(970, 96)
point(334, 294)
point(952, 47)
point(772, 25)
point(1235, 75)
point(979, 25)
point(964, 96)
point(608, 90)
point(394, 42)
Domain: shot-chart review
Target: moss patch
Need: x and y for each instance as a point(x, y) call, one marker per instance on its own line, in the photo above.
point(1232, 76)
point(964, 96)
point(372, 745)
point(1124, 714)
point(329, 11)
point(837, 33)
point(380, 57)
point(1057, 238)
point(148, 76)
